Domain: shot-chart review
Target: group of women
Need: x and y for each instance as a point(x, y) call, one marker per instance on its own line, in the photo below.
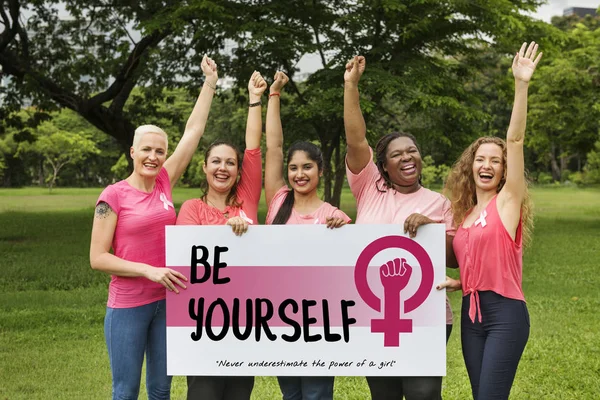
point(487, 219)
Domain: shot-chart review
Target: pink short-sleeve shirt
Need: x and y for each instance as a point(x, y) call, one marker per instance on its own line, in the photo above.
point(377, 204)
point(139, 236)
point(197, 212)
point(319, 216)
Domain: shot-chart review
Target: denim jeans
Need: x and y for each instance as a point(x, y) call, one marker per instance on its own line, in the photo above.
point(306, 387)
point(493, 347)
point(129, 333)
point(219, 387)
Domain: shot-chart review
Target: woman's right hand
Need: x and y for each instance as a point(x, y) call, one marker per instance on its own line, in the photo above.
point(279, 81)
point(209, 68)
point(451, 285)
point(354, 70)
point(167, 277)
point(238, 224)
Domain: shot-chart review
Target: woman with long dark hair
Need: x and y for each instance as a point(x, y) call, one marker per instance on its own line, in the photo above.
point(299, 204)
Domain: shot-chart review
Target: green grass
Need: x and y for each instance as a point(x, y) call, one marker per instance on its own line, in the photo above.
point(52, 304)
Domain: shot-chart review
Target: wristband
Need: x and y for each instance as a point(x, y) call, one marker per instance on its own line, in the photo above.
point(258, 103)
point(274, 94)
point(210, 85)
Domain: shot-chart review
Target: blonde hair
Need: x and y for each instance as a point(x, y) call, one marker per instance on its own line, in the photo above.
point(143, 129)
point(460, 186)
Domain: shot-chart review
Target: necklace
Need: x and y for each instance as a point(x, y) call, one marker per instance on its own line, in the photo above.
point(225, 213)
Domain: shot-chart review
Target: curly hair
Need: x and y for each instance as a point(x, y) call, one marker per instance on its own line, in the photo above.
point(381, 149)
point(460, 186)
point(232, 199)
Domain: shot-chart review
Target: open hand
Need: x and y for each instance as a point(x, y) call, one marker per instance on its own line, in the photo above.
point(525, 62)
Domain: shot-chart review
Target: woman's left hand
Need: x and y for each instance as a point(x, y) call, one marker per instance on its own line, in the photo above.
point(335, 222)
point(525, 62)
point(238, 224)
point(413, 222)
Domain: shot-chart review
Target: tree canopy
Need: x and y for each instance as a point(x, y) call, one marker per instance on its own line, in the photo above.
point(436, 69)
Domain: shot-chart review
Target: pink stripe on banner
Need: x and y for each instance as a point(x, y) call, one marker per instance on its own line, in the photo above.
point(276, 284)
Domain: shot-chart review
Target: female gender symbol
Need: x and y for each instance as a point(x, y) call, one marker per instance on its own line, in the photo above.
point(391, 325)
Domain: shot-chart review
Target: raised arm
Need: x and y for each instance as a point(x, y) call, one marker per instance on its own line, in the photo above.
point(274, 158)
point(103, 230)
point(359, 154)
point(194, 129)
point(524, 64)
point(256, 88)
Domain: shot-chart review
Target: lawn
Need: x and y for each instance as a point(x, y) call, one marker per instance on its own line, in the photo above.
point(52, 303)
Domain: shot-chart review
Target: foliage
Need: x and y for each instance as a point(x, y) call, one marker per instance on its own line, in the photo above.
point(592, 167)
point(421, 55)
point(565, 99)
point(58, 148)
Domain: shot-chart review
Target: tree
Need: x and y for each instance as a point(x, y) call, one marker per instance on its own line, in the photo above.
point(58, 148)
point(565, 109)
point(420, 55)
point(89, 56)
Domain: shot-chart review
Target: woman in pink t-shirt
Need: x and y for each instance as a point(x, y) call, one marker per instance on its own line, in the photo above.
point(389, 191)
point(228, 200)
point(492, 210)
point(130, 217)
point(298, 205)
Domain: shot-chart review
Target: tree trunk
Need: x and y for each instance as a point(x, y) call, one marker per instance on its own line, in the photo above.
point(554, 164)
point(41, 180)
point(340, 174)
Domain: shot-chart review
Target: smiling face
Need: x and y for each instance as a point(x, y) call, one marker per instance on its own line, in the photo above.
point(149, 155)
point(403, 162)
point(488, 167)
point(221, 168)
point(303, 173)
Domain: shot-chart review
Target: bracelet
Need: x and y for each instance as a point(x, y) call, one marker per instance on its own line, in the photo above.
point(258, 103)
point(210, 85)
point(274, 94)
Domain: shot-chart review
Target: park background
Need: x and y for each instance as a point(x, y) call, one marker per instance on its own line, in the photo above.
point(78, 76)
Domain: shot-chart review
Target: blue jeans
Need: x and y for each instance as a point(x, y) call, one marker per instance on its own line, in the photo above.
point(306, 387)
point(129, 333)
point(493, 347)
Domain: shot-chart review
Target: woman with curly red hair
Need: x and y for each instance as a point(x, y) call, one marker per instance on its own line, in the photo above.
point(491, 208)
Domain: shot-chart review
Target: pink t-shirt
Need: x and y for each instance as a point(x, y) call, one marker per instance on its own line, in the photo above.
point(377, 204)
point(139, 236)
point(489, 259)
point(197, 212)
point(319, 216)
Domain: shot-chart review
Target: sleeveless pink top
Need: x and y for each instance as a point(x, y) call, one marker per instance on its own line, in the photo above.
point(489, 259)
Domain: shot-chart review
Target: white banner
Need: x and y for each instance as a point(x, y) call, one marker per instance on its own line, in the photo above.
point(306, 300)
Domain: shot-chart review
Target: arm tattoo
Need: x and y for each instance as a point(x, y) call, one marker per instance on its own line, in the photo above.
point(103, 210)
